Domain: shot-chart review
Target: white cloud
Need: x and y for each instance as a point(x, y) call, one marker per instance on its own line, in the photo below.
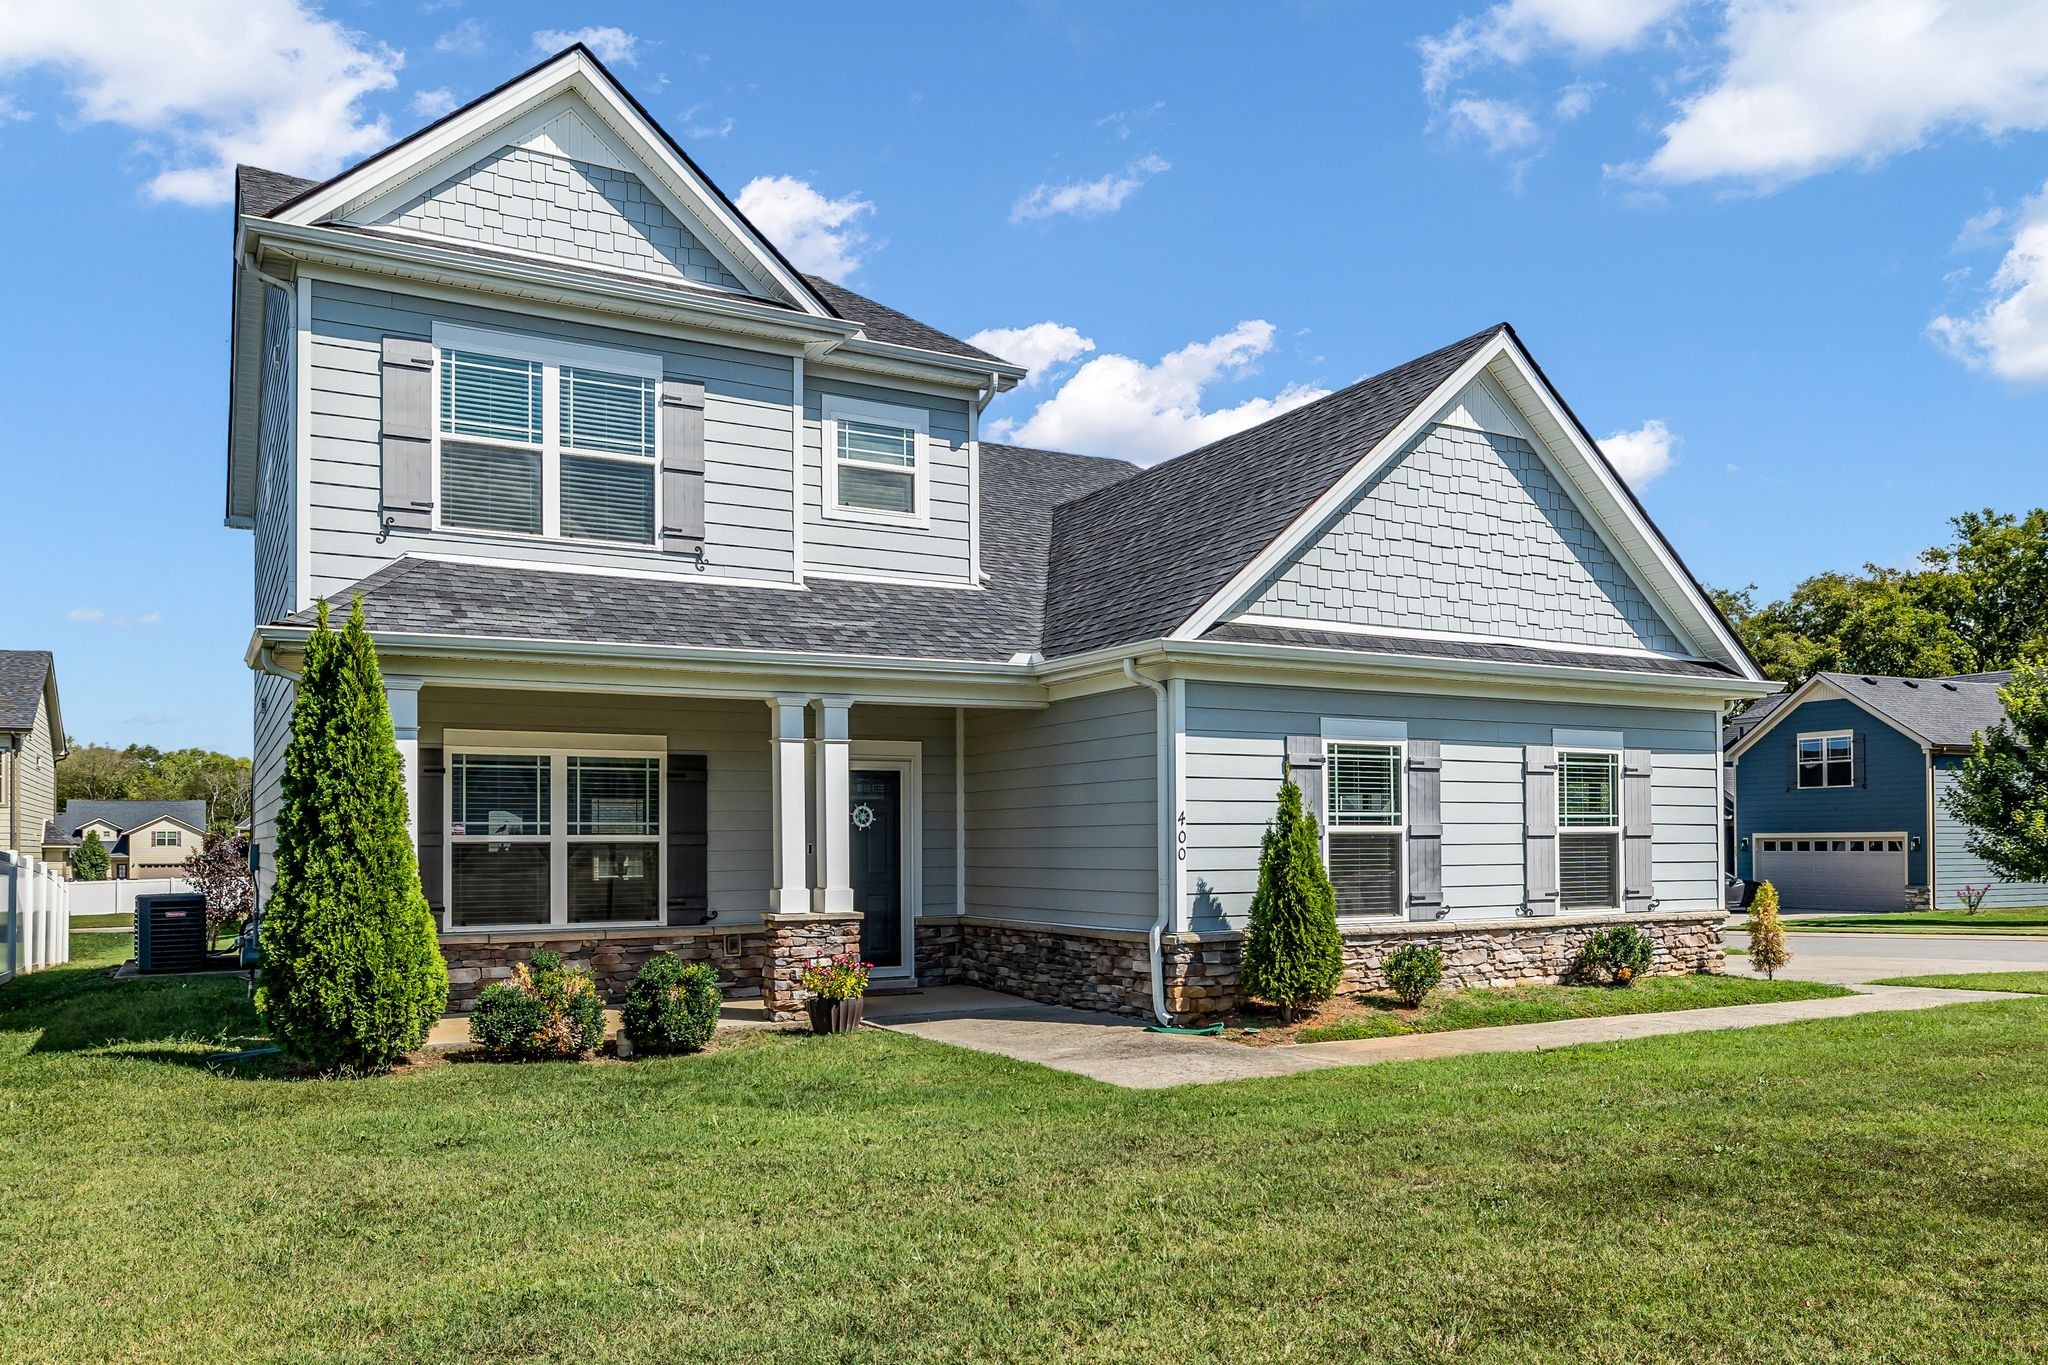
point(101, 618)
point(1088, 198)
point(820, 235)
point(1115, 405)
point(1514, 31)
point(1120, 122)
point(1502, 126)
point(1574, 101)
point(1811, 85)
point(432, 103)
point(466, 39)
point(211, 83)
point(612, 45)
point(1641, 455)
point(698, 127)
point(1037, 348)
point(2008, 334)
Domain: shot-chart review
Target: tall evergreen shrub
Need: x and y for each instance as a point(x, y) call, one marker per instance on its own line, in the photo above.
point(352, 976)
point(89, 860)
point(1292, 954)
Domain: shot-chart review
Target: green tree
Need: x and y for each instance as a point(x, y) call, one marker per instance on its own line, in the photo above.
point(1292, 954)
point(89, 859)
point(352, 976)
point(2001, 793)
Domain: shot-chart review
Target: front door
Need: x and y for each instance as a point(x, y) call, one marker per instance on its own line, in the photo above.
point(877, 866)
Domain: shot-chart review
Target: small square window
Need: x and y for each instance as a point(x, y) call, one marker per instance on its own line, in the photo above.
point(1895, 846)
point(1805, 846)
point(1855, 845)
point(1841, 846)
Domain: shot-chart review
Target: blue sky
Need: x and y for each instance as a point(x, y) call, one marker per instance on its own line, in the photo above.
point(1792, 257)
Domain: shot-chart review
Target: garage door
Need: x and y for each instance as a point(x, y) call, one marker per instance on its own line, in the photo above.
point(1839, 872)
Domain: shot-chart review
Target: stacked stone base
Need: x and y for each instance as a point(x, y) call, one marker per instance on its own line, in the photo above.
point(1107, 970)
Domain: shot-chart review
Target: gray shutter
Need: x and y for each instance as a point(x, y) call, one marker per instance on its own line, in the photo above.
point(1425, 829)
point(1861, 774)
point(408, 389)
point(1539, 828)
point(1792, 765)
point(1638, 891)
point(433, 844)
point(682, 466)
point(687, 821)
point(1305, 766)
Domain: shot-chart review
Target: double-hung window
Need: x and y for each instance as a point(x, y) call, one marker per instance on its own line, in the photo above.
point(545, 438)
point(566, 831)
point(163, 838)
point(1365, 827)
point(1589, 829)
point(875, 462)
point(1827, 760)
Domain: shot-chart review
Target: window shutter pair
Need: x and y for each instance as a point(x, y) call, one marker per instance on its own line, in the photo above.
point(408, 445)
point(1424, 801)
point(1639, 891)
point(1305, 768)
point(1539, 829)
point(1856, 756)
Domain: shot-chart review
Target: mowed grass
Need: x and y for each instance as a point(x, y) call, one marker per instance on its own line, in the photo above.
point(2023, 921)
point(103, 921)
point(1383, 1016)
point(1871, 1188)
point(2026, 983)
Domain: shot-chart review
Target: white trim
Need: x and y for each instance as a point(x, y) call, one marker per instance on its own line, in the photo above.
point(832, 408)
point(593, 570)
point(905, 756)
point(900, 579)
point(455, 336)
point(1614, 829)
point(1463, 636)
point(796, 467)
point(959, 810)
point(1823, 736)
point(1177, 724)
point(1398, 831)
point(302, 430)
point(974, 406)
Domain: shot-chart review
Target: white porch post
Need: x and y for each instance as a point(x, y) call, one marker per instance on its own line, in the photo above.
point(834, 894)
point(788, 894)
point(402, 695)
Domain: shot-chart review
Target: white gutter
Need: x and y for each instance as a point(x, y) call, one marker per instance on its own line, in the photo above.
point(1165, 841)
point(266, 662)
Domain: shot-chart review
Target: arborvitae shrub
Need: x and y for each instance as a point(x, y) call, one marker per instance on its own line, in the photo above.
point(352, 975)
point(1292, 954)
point(1767, 950)
point(1413, 971)
point(671, 1006)
point(89, 860)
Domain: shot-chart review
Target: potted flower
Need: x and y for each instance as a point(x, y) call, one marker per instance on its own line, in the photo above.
point(836, 985)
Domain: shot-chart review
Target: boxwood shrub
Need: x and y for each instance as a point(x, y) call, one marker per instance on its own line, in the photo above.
point(672, 1006)
point(545, 1011)
point(1413, 971)
point(1616, 955)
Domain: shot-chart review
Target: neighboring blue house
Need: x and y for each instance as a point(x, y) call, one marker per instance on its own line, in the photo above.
point(1837, 787)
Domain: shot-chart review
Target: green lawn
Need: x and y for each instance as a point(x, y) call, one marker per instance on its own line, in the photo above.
point(1381, 1016)
point(1871, 1188)
point(2027, 983)
point(2028, 920)
point(103, 921)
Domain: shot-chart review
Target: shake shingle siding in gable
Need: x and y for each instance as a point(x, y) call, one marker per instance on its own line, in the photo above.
point(1468, 532)
point(1136, 561)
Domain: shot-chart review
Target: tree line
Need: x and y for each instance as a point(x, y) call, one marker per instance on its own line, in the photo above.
point(142, 772)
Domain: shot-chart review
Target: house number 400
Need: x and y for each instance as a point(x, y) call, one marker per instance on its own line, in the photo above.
point(1180, 851)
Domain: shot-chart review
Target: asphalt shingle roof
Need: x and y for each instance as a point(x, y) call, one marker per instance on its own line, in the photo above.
point(1417, 648)
point(1943, 711)
point(23, 675)
point(1020, 487)
point(1134, 561)
point(263, 193)
point(122, 815)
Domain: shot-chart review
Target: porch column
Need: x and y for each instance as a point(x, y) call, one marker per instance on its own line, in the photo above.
point(402, 695)
point(834, 892)
point(788, 893)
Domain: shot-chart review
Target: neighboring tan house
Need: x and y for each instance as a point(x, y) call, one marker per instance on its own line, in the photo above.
point(143, 838)
point(709, 621)
point(31, 742)
point(1839, 793)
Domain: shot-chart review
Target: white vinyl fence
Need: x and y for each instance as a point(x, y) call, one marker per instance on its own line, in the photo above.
point(118, 897)
point(35, 915)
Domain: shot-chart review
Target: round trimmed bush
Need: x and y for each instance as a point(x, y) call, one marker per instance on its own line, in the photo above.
point(545, 1011)
point(1413, 971)
point(672, 1006)
point(1616, 955)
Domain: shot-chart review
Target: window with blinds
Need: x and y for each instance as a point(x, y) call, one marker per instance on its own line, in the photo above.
point(1363, 798)
point(877, 466)
point(1589, 830)
point(535, 448)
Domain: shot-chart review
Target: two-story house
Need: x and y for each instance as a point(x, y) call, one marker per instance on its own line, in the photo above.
point(144, 837)
point(31, 743)
point(710, 622)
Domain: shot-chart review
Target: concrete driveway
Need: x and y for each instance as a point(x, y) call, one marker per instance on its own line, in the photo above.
point(1851, 959)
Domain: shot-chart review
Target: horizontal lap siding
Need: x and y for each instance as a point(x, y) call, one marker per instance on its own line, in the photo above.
point(1955, 866)
point(1234, 764)
point(932, 729)
point(276, 459)
point(1062, 812)
point(747, 495)
point(1890, 795)
point(850, 547)
point(273, 711)
point(733, 736)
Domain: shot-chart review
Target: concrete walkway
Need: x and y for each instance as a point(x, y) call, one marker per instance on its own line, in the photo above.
point(1116, 1050)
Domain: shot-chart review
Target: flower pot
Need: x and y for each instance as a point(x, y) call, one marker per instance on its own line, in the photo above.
point(834, 1016)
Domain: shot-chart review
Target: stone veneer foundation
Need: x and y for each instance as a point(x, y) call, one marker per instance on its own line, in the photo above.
point(1109, 970)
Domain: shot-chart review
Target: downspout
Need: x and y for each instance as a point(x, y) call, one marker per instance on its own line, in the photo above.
point(1164, 838)
point(266, 662)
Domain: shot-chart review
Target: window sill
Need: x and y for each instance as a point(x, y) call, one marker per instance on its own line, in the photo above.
point(509, 933)
point(901, 521)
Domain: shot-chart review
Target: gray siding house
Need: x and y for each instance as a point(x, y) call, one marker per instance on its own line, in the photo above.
point(710, 623)
point(31, 742)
